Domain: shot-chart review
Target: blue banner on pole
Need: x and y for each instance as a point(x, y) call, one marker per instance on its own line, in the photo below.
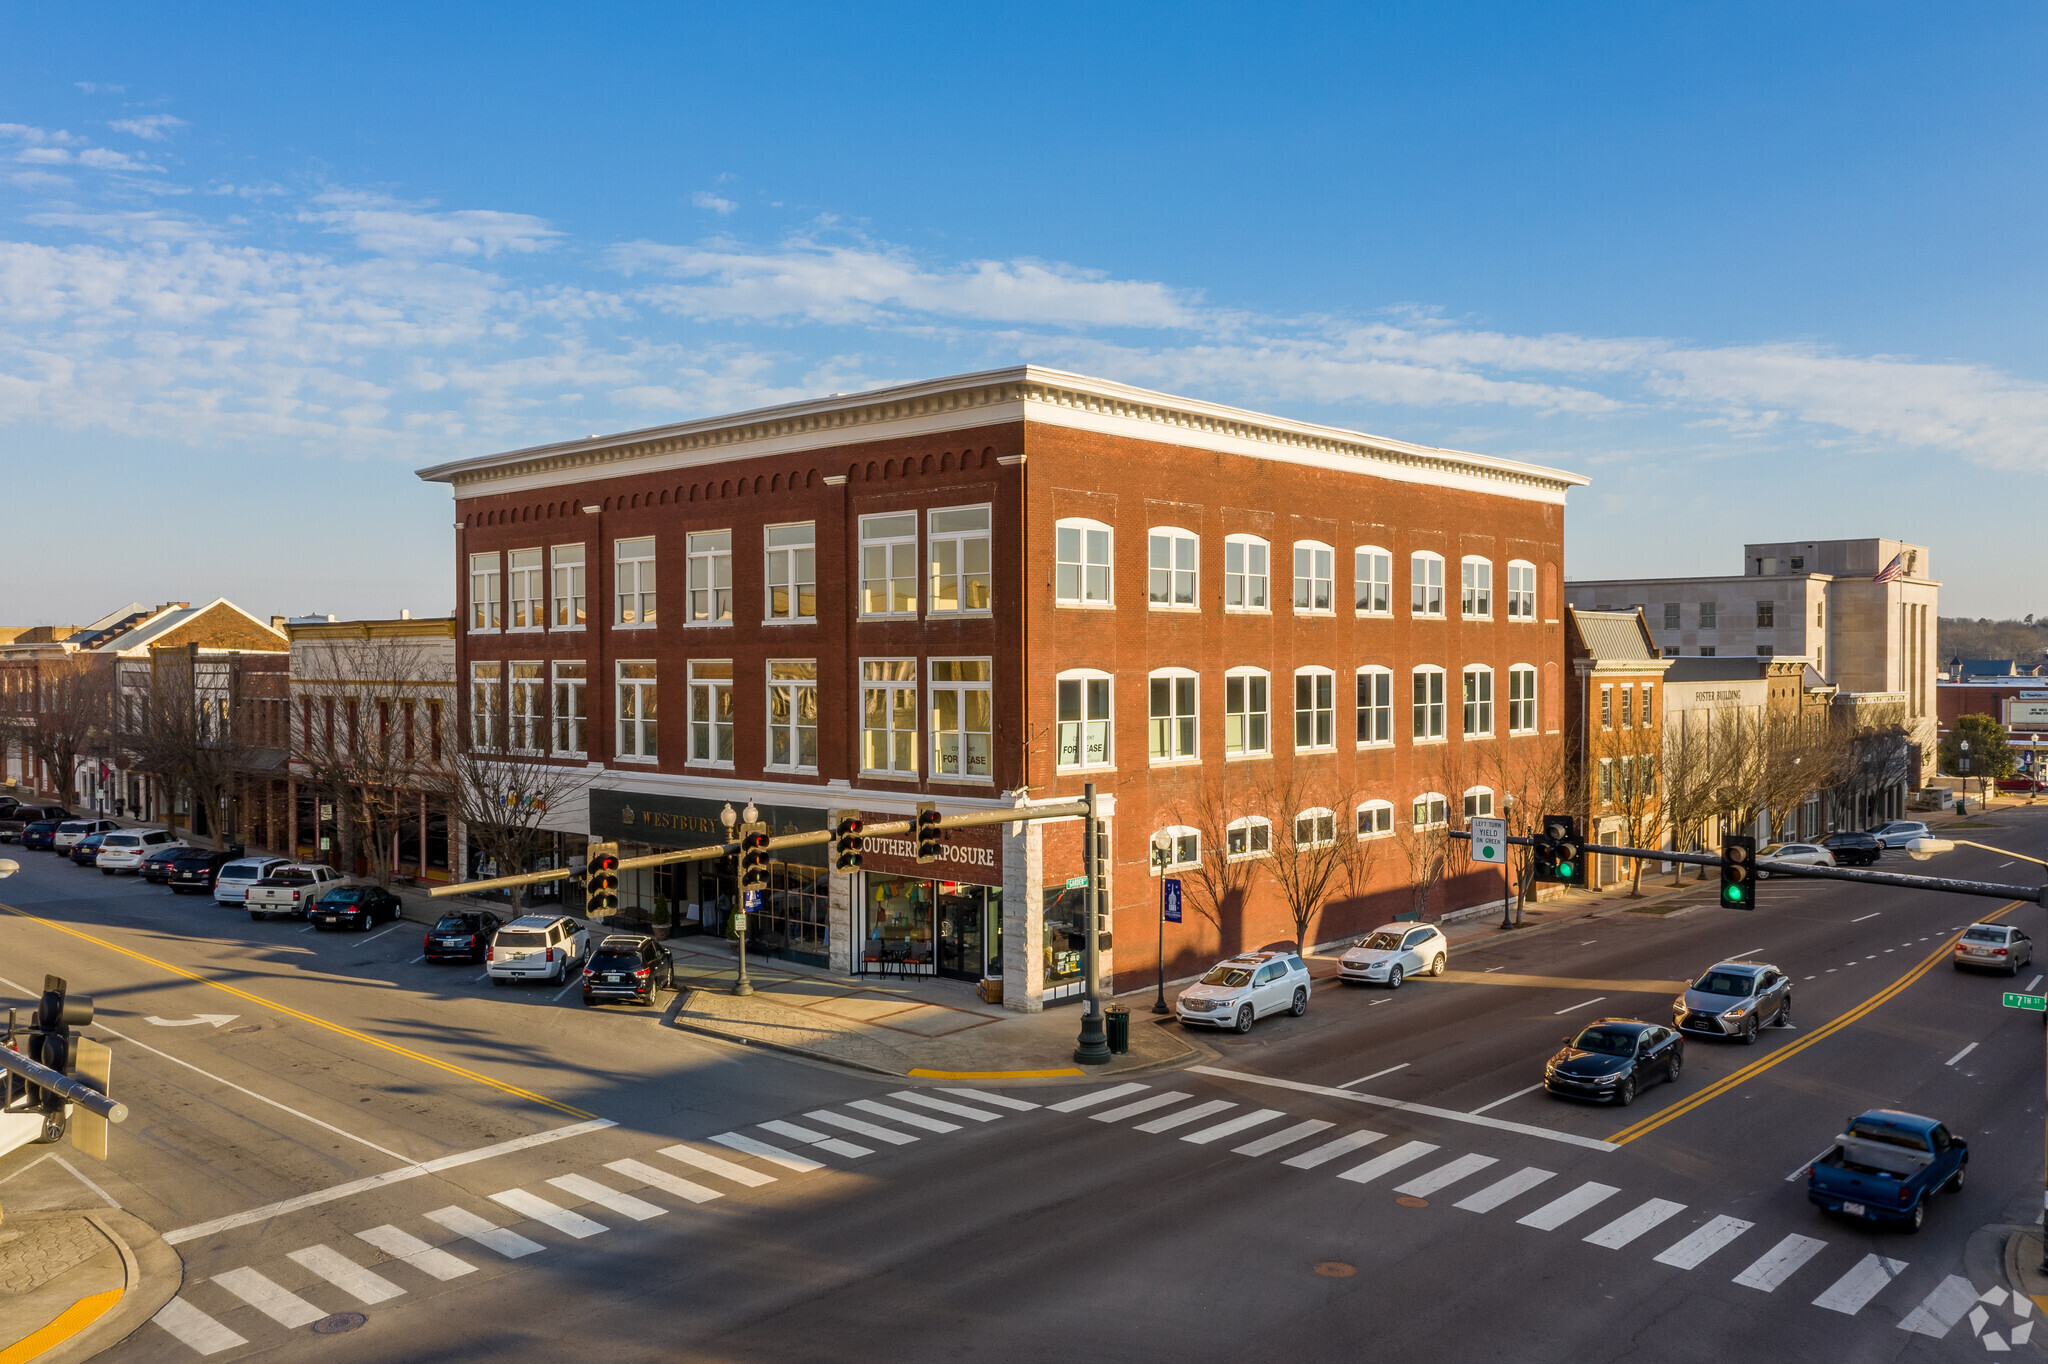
point(750, 900)
point(1170, 898)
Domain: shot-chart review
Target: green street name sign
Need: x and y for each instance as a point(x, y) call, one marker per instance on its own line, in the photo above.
point(2038, 1003)
point(1077, 883)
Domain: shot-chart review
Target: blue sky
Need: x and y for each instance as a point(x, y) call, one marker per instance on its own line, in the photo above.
point(1762, 272)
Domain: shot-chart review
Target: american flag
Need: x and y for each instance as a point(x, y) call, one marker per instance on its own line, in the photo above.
point(1892, 571)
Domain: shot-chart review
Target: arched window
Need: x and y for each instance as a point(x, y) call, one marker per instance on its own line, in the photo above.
point(1428, 702)
point(1478, 804)
point(1373, 580)
point(1174, 730)
point(1315, 828)
point(1430, 811)
point(1184, 851)
point(1478, 701)
point(1245, 574)
point(1247, 720)
point(1522, 699)
point(1081, 571)
point(1521, 591)
point(1375, 689)
point(1172, 558)
point(1248, 837)
point(1376, 819)
point(1426, 584)
point(1315, 569)
point(1475, 588)
point(1315, 709)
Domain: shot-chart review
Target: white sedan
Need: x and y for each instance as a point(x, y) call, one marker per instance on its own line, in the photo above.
point(1799, 854)
point(1388, 955)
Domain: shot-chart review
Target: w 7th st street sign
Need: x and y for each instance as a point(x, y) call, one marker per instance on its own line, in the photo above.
point(2038, 1003)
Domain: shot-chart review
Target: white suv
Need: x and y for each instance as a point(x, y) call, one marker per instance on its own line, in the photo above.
point(72, 830)
point(124, 851)
point(537, 947)
point(1389, 954)
point(1244, 988)
point(231, 887)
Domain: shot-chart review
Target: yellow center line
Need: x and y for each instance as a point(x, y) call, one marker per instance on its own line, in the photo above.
point(1826, 1030)
point(317, 1022)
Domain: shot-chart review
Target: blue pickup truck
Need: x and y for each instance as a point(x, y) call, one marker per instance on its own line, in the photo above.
point(1886, 1167)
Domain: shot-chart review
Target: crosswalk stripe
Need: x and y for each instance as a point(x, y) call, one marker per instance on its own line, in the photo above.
point(1443, 1176)
point(195, 1329)
point(774, 1155)
point(904, 1116)
point(1780, 1262)
point(1689, 1252)
point(1559, 1211)
point(817, 1139)
point(1401, 1155)
point(468, 1225)
point(345, 1274)
point(273, 1300)
point(718, 1165)
point(1097, 1096)
point(1850, 1293)
point(1185, 1116)
point(865, 1129)
point(409, 1249)
point(664, 1181)
point(990, 1097)
point(1330, 1150)
point(548, 1214)
point(639, 1209)
point(1233, 1126)
point(1265, 1146)
point(1635, 1222)
point(1502, 1190)
point(911, 1096)
point(1940, 1310)
point(1144, 1105)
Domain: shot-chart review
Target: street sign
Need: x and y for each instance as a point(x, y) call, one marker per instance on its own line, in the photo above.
point(2038, 1003)
point(750, 901)
point(1077, 883)
point(1489, 840)
point(1169, 899)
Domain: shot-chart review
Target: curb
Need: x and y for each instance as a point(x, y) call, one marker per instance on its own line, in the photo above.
point(153, 1275)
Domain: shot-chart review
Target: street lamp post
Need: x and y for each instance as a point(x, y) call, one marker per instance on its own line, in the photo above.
point(1963, 765)
point(1162, 851)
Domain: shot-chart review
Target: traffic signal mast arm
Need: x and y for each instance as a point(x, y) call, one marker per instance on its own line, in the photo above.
point(62, 1085)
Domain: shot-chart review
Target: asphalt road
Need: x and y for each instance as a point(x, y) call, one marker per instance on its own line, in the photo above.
point(1259, 1217)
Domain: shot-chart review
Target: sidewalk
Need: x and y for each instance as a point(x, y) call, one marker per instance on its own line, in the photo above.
point(74, 1280)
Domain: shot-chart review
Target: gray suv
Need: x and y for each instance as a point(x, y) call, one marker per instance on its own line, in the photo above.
point(1735, 999)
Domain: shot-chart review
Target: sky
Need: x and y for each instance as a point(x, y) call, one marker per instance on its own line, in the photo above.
point(1762, 272)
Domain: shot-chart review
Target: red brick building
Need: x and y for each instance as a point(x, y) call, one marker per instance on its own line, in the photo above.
point(1260, 634)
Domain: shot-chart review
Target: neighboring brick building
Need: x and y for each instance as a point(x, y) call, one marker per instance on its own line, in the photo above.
point(989, 589)
point(1614, 714)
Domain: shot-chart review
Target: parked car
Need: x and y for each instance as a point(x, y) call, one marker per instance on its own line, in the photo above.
point(86, 850)
point(231, 887)
point(536, 947)
point(1798, 854)
point(465, 936)
point(1388, 955)
point(1899, 832)
point(1993, 947)
point(289, 891)
point(1615, 1059)
point(72, 830)
point(2023, 785)
point(356, 907)
point(39, 835)
point(21, 816)
point(190, 868)
point(1886, 1167)
point(1239, 990)
point(126, 849)
point(1735, 999)
point(628, 966)
point(1853, 849)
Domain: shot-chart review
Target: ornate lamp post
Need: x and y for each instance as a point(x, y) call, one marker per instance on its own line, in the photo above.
point(1162, 854)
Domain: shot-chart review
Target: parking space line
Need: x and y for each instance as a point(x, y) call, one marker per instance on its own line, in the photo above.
point(1872, 915)
point(1961, 1054)
point(393, 929)
point(1582, 1004)
point(1516, 1095)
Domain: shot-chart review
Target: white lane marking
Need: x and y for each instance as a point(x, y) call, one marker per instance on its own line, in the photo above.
point(904, 1116)
point(1779, 1263)
point(1097, 1096)
point(718, 1165)
point(1819, 1156)
point(574, 984)
point(1330, 1150)
point(485, 976)
point(1831, 970)
point(1564, 1208)
point(1377, 1002)
point(393, 929)
point(1500, 1191)
point(911, 1096)
point(1185, 1116)
point(1940, 1310)
point(1268, 1144)
point(1516, 1095)
point(1233, 1126)
point(1582, 1004)
point(417, 960)
point(859, 1128)
point(817, 1139)
point(1634, 1223)
point(272, 1299)
point(2008, 862)
point(215, 1019)
point(664, 1181)
point(639, 1209)
point(1144, 1105)
point(1853, 1290)
point(470, 1227)
point(345, 1274)
point(1491, 969)
point(1427, 1110)
point(1748, 950)
point(774, 1155)
point(1443, 1176)
point(1690, 1251)
point(403, 1246)
point(2034, 982)
point(1374, 1076)
point(548, 1214)
point(1866, 916)
point(1809, 977)
point(990, 1097)
point(1589, 942)
point(75, 1174)
point(356, 1186)
point(1961, 1054)
point(1403, 1154)
point(195, 1329)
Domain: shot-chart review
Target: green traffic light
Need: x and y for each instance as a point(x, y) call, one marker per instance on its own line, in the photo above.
point(1564, 869)
point(1733, 894)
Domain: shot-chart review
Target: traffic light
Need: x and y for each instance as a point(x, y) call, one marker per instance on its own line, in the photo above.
point(927, 832)
point(1559, 858)
point(754, 862)
point(1738, 872)
point(846, 840)
point(601, 883)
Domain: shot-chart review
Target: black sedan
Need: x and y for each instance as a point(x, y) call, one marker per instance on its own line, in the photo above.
point(630, 967)
point(1854, 849)
point(461, 937)
point(356, 907)
point(41, 836)
point(193, 868)
point(86, 851)
point(1615, 1059)
point(156, 868)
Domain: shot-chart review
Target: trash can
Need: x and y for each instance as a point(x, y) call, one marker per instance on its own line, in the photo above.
point(1116, 1021)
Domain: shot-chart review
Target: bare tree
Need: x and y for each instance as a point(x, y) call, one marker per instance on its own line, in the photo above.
point(504, 799)
point(72, 718)
point(1688, 781)
point(1535, 778)
point(1425, 840)
point(177, 726)
point(1221, 880)
point(1315, 847)
point(1636, 754)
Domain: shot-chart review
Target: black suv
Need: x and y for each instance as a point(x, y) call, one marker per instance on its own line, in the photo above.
point(461, 937)
point(194, 868)
point(1853, 849)
point(627, 966)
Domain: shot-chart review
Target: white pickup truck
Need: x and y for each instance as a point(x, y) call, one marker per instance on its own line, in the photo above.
point(289, 890)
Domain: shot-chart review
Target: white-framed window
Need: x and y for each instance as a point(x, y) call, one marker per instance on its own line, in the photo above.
point(633, 575)
point(888, 564)
point(1184, 851)
point(1315, 709)
point(1607, 707)
point(1628, 706)
point(484, 611)
point(486, 684)
point(637, 718)
point(1315, 828)
point(1521, 590)
point(1475, 588)
point(525, 590)
point(793, 714)
point(1376, 819)
point(790, 571)
point(1081, 568)
point(1427, 694)
point(1478, 702)
point(710, 577)
point(1478, 804)
point(1430, 811)
point(1172, 560)
point(1085, 739)
point(1250, 836)
point(1522, 699)
point(1373, 579)
point(567, 564)
point(1246, 574)
point(957, 544)
point(1247, 713)
point(1647, 705)
point(963, 724)
point(1171, 711)
point(1315, 570)
point(525, 728)
point(1605, 785)
point(711, 709)
point(572, 711)
point(1426, 584)
point(1375, 698)
point(888, 716)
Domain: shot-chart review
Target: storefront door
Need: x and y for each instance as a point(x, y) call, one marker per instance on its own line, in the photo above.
point(960, 931)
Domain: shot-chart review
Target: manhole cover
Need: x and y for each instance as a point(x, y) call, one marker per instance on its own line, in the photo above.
point(1410, 1201)
point(1336, 1269)
point(338, 1323)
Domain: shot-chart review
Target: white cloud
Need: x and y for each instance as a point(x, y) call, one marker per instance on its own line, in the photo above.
point(56, 147)
point(99, 87)
point(704, 198)
point(389, 227)
point(150, 127)
point(147, 226)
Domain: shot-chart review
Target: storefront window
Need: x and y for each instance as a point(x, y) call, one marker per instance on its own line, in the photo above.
point(796, 908)
point(1066, 940)
point(899, 927)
